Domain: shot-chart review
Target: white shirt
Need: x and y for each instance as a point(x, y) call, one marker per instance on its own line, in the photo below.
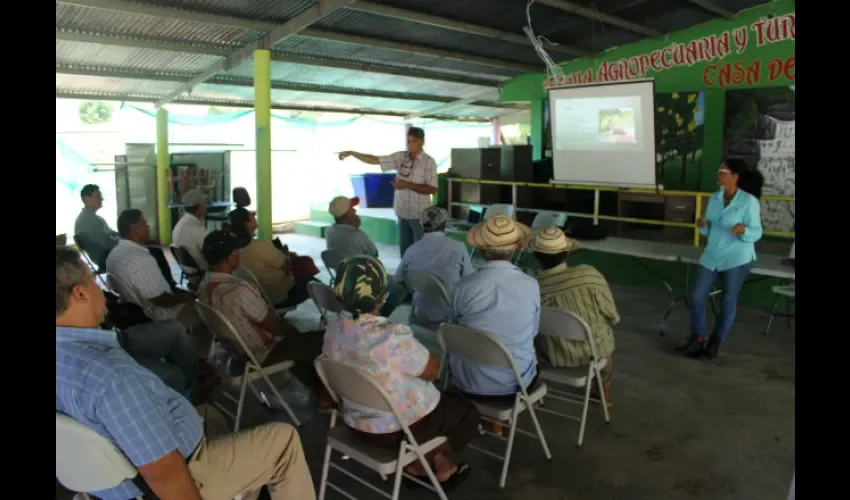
point(190, 233)
point(134, 265)
point(409, 204)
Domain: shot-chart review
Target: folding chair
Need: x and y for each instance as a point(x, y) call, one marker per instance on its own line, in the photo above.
point(87, 461)
point(480, 347)
point(98, 273)
point(499, 209)
point(325, 299)
point(547, 219)
point(189, 270)
point(429, 285)
point(331, 259)
point(568, 326)
point(249, 276)
point(787, 293)
point(224, 331)
point(125, 291)
point(346, 383)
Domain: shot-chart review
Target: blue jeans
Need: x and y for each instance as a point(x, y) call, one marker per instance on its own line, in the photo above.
point(409, 232)
point(164, 348)
point(733, 281)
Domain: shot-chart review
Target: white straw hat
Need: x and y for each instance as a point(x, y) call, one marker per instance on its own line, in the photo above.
point(498, 233)
point(552, 240)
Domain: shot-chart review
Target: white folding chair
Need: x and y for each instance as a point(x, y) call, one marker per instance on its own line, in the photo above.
point(483, 348)
point(249, 276)
point(349, 384)
point(224, 331)
point(331, 259)
point(87, 461)
point(325, 299)
point(568, 326)
point(499, 209)
point(431, 286)
point(787, 293)
point(125, 291)
point(98, 273)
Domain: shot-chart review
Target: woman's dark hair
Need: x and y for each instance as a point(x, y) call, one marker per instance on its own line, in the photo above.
point(749, 179)
point(238, 218)
point(241, 197)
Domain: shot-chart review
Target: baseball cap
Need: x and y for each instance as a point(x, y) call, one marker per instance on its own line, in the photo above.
point(218, 245)
point(432, 218)
point(193, 197)
point(340, 205)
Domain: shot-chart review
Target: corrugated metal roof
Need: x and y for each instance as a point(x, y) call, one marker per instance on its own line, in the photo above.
point(263, 10)
point(78, 53)
point(108, 86)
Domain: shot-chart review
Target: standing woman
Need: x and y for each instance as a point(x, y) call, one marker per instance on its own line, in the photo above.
point(732, 224)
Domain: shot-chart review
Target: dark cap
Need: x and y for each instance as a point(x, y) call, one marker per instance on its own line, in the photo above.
point(218, 245)
point(416, 132)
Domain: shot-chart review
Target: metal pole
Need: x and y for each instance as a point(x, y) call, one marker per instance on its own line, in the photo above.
point(595, 207)
point(262, 122)
point(163, 164)
point(449, 196)
point(698, 215)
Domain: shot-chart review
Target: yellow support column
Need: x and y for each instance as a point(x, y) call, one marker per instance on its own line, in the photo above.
point(163, 163)
point(263, 146)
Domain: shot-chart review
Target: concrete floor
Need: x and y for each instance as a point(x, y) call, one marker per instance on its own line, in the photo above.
point(680, 428)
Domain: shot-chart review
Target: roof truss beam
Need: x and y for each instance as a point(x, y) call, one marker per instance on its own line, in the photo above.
point(455, 25)
point(108, 72)
point(152, 44)
point(712, 7)
point(595, 15)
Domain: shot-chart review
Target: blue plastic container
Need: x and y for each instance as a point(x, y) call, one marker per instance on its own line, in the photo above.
point(374, 190)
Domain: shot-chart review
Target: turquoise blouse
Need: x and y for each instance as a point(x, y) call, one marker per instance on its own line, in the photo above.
point(725, 250)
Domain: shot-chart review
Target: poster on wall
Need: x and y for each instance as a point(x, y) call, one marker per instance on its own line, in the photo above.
point(760, 130)
point(679, 120)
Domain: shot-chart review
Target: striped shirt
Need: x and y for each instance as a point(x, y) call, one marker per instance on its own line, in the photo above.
point(409, 204)
point(243, 306)
point(583, 291)
point(99, 385)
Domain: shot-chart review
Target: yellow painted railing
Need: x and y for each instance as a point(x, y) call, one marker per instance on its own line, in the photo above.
point(597, 189)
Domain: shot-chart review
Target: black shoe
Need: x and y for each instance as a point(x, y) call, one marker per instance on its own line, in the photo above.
point(695, 343)
point(712, 348)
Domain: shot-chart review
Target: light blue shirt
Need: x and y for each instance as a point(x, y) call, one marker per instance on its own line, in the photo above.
point(504, 301)
point(99, 385)
point(443, 257)
point(724, 250)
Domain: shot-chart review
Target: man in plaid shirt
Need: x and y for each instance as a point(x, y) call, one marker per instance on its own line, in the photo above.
point(415, 182)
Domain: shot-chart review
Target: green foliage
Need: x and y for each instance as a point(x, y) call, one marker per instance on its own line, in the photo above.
point(744, 106)
point(676, 131)
point(95, 112)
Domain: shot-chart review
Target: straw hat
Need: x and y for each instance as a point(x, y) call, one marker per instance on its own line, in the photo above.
point(498, 233)
point(552, 240)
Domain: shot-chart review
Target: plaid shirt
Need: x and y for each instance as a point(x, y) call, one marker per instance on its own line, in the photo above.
point(99, 385)
point(409, 204)
point(242, 305)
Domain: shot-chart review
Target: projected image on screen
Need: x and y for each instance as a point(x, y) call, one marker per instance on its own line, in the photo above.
point(617, 125)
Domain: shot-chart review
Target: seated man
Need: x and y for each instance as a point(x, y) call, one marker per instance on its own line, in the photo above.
point(345, 237)
point(502, 300)
point(158, 430)
point(98, 239)
point(272, 267)
point(189, 232)
point(581, 290)
point(131, 263)
point(439, 255)
point(362, 339)
point(269, 337)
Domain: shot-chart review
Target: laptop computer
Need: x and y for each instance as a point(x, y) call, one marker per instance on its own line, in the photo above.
point(475, 215)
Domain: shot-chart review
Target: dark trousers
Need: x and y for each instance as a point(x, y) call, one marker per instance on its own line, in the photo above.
point(303, 349)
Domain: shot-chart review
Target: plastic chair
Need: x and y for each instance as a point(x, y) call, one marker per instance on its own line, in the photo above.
point(568, 326)
point(325, 299)
point(249, 276)
point(346, 383)
point(87, 461)
point(431, 286)
point(482, 348)
point(499, 209)
point(223, 330)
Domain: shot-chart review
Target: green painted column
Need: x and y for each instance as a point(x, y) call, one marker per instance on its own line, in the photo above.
point(163, 163)
point(537, 130)
point(714, 130)
point(263, 146)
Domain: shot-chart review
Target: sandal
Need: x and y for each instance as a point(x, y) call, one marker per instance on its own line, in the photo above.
point(448, 485)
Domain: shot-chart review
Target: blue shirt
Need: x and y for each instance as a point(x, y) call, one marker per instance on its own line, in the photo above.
point(725, 250)
point(504, 301)
point(99, 385)
point(443, 257)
